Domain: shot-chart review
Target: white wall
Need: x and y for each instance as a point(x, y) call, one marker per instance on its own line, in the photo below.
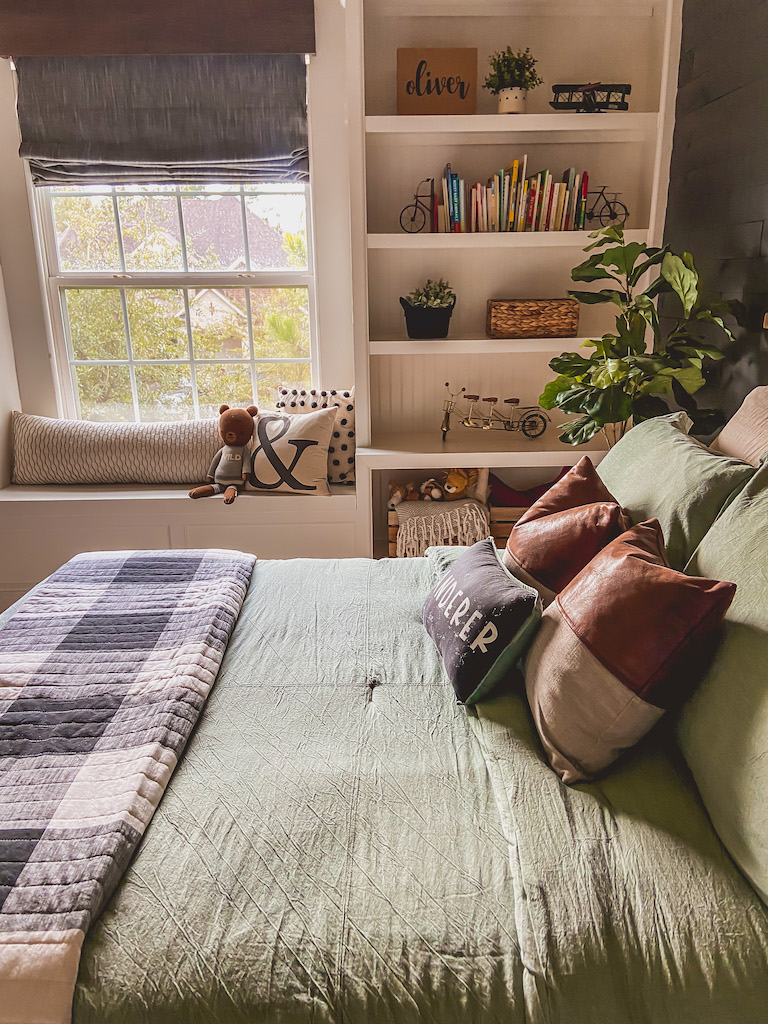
point(18, 259)
point(9, 391)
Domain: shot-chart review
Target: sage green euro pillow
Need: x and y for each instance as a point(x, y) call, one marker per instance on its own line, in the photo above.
point(656, 471)
point(723, 729)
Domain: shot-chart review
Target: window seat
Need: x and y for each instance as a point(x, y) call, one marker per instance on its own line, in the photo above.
point(41, 527)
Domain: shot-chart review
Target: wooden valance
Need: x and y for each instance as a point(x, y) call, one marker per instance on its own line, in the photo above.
point(38, 28)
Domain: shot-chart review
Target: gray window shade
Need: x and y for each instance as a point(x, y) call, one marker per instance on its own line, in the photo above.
point(186, 119)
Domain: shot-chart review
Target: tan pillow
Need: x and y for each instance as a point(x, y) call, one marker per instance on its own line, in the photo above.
point(745, 435)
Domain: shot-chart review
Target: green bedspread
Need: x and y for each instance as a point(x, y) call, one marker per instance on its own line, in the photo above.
point(342, 842)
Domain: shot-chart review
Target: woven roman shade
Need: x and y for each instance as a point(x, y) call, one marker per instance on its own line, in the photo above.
point(81, 27)
point(187, 119)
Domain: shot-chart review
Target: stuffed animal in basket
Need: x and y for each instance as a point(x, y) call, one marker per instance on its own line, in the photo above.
point(459, 483)
point(401, 492)
point(431, 490)
point(231, 464)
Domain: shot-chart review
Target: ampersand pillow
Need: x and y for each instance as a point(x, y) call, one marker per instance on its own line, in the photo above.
point(341, 451)
point(290, 453)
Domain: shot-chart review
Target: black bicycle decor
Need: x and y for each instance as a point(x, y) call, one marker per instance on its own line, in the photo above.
point(417, 214)
point(606, 208)
point(590, 98)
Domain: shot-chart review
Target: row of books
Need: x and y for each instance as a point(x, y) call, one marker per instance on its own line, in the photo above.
point(512, 201)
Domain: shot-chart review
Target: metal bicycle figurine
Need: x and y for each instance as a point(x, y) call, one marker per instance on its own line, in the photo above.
point(415, 216)
point(530, 419)
point(606, 210)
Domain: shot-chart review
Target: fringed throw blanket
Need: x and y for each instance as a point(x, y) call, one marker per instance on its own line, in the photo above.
point(103, 673)
point(425, 524)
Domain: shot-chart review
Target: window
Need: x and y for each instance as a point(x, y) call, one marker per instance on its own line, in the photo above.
point(168, 300)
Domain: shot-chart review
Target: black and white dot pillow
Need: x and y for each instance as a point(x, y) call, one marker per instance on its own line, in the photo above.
point(341, 452)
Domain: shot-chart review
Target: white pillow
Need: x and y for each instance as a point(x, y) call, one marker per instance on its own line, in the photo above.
point(51, 451)
point(341, 451)
point(290, 453)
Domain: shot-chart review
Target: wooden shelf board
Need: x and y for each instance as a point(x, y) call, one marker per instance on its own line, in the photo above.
point(621, 125)
point(490, 240)
point(467, 447)
point(471, 346)
point(502, 9)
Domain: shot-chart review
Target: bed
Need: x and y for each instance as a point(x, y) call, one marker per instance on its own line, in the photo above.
point(343, 842)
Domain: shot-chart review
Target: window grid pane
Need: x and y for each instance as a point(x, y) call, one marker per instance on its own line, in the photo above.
point(177, 350)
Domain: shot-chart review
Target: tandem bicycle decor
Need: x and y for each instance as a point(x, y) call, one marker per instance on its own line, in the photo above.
point(530, 419)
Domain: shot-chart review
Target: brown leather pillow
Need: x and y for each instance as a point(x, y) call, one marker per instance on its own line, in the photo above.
point(625, 640)
point(562, 531)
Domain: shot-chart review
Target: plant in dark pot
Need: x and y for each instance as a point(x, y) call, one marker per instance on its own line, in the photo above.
point(428, 310)
point(622, 382)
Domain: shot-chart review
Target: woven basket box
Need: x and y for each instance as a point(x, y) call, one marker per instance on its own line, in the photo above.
point(532, 318)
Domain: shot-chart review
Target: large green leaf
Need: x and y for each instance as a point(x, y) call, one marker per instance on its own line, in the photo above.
point(549, 396)
point(693, 348)
point(576, 398)
point(605, 235)
point(590, 270)
point(609, 405)
point(579, 431)
point(612, 371)
point(706, 316)
point(623, 257)
point(647, 407)
point(681, 396)
point(604, 295)
point(689, 376)
point(655, 256)
point(632, 335)
point(571, 364)
point(683, 279)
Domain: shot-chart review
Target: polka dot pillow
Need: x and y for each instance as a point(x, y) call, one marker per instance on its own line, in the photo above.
point(341, 451)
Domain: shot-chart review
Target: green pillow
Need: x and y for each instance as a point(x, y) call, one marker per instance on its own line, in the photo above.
point(723, 730)
point(658, 472)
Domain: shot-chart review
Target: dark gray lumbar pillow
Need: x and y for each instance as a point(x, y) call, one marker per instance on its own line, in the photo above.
point(481, 619)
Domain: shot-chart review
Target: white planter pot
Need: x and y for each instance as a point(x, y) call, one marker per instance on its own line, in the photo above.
point(512, 101)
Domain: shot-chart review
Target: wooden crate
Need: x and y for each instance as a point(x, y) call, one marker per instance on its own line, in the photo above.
point(502, 521)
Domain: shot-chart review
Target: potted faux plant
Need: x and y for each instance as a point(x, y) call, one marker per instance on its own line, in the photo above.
point(621, 382)
point(512, 76)
point(428, 310)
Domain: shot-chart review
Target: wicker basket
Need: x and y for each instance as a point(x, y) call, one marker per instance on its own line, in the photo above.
point(532, 318)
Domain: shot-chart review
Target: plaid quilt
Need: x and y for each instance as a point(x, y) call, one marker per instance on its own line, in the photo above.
point(103, 673)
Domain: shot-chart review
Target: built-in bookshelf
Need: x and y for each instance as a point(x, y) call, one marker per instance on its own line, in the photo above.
point(400, 382)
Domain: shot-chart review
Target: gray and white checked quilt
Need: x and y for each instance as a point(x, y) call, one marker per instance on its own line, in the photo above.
point(103, 673)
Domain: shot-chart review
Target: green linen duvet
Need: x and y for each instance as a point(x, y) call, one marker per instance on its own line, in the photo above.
point(343, 843)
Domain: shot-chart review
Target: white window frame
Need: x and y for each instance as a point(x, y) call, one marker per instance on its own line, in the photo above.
point(57, 280)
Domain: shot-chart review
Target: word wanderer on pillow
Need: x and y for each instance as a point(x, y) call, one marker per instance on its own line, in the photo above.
point(481, 619)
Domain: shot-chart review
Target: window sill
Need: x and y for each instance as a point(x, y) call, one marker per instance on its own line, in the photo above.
point(150, 492)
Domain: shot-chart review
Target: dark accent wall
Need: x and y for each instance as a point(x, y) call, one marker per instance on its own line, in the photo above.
point(718, 193)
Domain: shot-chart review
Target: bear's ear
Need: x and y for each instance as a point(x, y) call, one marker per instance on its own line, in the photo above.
point(223, 409)
point(252, 409)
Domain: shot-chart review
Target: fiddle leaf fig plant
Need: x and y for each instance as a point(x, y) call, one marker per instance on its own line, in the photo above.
point(621, 382)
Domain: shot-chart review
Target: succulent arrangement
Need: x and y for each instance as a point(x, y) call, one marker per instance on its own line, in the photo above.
point(510, 70)
point(622, 382)
point(433, 295)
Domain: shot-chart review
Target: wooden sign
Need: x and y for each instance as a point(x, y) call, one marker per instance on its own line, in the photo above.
point(437, 81)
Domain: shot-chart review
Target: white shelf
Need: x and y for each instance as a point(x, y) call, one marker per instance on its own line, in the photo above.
point(468, 447)
point(471, 346)
point(490, 240)
point(620, 126)
point(502, 9)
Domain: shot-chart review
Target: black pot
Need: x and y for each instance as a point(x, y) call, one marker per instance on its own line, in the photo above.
point(427, 321)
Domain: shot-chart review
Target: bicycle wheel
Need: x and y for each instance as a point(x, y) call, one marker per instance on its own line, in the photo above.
point(613, 213)
point(533, 425)
point(412, 219)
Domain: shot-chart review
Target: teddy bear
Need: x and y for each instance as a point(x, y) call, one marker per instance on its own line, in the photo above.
point(231, 465)
point(431, 490)
point(459, 483)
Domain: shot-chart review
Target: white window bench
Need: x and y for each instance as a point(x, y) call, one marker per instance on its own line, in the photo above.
point(41, 527)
